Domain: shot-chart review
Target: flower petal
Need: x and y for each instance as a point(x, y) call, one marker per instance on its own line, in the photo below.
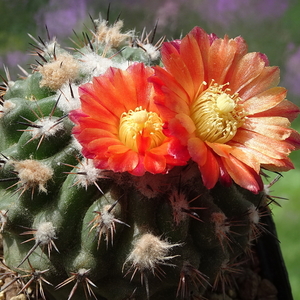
point(198, 151)
point(252, 156)
point(124, 97)
point(246, 70)
point(268, 78)
point(273, 127)
point(167, 89)
point(175, 128)
point(220, 57)
point(89, 134)
point(100, 146)
point(285, 109)
point(243, 175)
point(92, 123)
point(154, 163)
point(123, 162)
point(189, 45)
point(210, 171)
point(220, 149)
point(264, 144)
point(176, 66)
point(265, 100)
point(91, 105)
point(211, 88)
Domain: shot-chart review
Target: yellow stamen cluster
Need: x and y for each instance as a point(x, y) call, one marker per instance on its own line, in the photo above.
point(217, 114)
point(140, 122)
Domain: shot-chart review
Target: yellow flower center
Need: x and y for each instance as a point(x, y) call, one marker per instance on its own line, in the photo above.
point(217, 114)
point(140, 122)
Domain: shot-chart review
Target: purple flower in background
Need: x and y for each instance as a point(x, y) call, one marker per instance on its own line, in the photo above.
point(167, 13)
point(226, 12)
point(12, 59)
point(62, 17)
point(15, 57)
point(292, 72)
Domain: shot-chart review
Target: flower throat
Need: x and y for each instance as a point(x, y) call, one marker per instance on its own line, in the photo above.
point(217, 114)
point(140, 122)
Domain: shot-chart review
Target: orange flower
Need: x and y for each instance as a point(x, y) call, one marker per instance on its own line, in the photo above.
point(119, 126)
point(225, 106)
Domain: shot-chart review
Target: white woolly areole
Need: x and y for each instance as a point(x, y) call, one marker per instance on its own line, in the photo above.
point(45, 233)
point(149, 251)
point(59, 71)
point(83, 272)
point(33, 173)
point(266, 189)
point(93, 65)
point(7, 107)
point(111, 35)
point(152, 51)
point(69, 100)
point(75, 144)
point(107, 219)
point(253, 214)
point(89, 174)
point(49, 47)
point(48, 126)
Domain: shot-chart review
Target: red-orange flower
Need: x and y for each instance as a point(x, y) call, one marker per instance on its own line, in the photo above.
point(225, 106)
point(119, 126)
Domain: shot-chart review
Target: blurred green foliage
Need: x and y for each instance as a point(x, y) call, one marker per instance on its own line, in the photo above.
point(287, 218)
point(17, 19)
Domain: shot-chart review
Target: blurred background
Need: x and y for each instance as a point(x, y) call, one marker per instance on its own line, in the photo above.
point(268, 26)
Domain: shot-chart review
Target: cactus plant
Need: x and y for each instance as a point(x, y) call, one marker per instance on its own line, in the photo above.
point(133, 171)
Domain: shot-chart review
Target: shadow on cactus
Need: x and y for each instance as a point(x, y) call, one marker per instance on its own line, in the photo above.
point(133, 170)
